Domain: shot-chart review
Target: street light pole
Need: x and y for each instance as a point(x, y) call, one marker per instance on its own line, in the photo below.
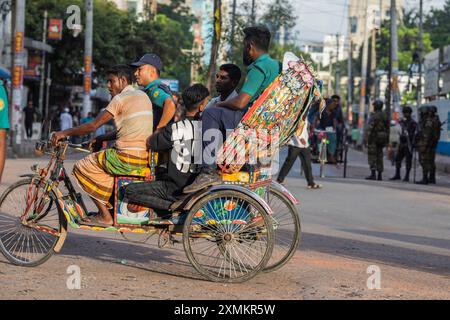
point(87, 106)
point(17, 73)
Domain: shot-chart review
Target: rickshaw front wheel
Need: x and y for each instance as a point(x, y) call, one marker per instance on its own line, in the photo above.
point(31, 241)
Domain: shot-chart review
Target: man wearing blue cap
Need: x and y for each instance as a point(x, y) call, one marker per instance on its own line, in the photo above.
point(148, 76)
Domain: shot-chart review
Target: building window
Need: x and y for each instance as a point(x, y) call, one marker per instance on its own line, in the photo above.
point(353, 24)
point(132, 6)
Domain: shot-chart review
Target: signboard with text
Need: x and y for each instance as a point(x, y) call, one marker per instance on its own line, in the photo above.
point(55, 29)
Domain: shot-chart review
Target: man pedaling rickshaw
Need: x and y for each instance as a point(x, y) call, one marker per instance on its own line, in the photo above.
point(131, 110)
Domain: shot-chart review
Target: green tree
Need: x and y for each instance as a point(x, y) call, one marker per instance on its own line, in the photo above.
point(119, 38)
point(279, 14)
point(437, 24)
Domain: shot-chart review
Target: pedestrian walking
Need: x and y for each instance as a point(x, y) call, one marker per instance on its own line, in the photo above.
point(30, 113)
point(405, 149)
point(376, 138)
point(66, 120)
point(299, 147)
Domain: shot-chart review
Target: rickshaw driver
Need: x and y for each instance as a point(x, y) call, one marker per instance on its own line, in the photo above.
point(131, 110)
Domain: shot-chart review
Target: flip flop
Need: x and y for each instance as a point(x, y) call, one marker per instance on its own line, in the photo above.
point(95, 222)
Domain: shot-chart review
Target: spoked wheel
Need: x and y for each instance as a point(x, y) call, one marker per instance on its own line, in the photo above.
point(228, 237)
point(287, 229)
point(28, 240)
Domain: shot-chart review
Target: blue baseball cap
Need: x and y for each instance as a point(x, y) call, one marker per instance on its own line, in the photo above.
point(151, 59)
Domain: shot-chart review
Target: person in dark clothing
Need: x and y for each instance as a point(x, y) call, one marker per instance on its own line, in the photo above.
point(183, 139)
point(30, 112)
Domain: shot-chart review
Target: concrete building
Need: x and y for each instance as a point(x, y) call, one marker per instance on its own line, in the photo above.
point(377, 11)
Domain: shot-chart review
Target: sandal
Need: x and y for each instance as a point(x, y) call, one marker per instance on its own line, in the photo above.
point(315, 186)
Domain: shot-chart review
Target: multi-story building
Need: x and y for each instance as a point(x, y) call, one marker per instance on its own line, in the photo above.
point(377, 11)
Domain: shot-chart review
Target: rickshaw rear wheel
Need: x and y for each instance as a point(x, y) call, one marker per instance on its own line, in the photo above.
point(228, 237)
point(287, 229)
point(24, 245)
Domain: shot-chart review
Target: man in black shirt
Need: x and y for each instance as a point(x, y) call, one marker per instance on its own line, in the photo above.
point(183, 139)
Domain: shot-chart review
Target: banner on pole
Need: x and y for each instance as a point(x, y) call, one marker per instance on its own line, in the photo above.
point(55, 29)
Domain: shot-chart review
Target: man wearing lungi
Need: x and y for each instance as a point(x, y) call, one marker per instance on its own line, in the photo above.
point(131, 110)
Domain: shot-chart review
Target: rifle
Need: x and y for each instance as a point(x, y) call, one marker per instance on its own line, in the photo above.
point(414, 163)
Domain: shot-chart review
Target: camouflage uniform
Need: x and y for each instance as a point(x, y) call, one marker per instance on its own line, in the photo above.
point(426, 144)
point(377, 137)
point(435, 139)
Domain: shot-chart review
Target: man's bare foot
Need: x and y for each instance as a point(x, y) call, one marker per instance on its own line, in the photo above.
point(98, 221)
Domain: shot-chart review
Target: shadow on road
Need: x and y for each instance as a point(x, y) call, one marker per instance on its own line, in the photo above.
point(148, 257)
point(374, 252)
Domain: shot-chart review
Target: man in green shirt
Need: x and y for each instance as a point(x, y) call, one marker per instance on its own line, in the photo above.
point(4, 125)
point(148, 75)
point(261, 72)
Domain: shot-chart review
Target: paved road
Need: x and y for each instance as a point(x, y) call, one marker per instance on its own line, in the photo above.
point(402, 229)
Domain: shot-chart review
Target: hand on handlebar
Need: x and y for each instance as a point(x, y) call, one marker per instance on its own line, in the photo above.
point(56, 137)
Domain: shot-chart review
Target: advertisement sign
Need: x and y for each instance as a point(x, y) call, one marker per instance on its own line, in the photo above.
point(33, 70)
point(55, 29)
point(431, 73)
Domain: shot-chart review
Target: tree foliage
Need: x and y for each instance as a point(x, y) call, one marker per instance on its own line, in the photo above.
point(437, 24)
point(120, 37)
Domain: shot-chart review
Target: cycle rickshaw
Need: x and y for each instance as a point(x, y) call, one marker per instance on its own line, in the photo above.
point(230, 232)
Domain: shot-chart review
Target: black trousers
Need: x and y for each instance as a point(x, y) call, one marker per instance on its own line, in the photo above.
point(305, 157)
point(29, 129)
point(159, 195)
point(403, 152)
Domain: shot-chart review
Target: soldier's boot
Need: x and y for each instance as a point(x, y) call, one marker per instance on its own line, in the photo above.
point(424, 178)
point(372, 176)
point(432, 178)
point(406, 178)
point(380, 176)
point(397, 175)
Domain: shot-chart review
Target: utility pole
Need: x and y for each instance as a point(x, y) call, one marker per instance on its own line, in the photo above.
point(365, 54)
point(87, 105)
point(350, 82)
point(253, 16)
point(330, 71)
point(394, 65)
point(41, 87)
point(233, 27)
point(419, 81)
point(338, 71)
point(373, 66)
point(17, 73)
point(217, 32)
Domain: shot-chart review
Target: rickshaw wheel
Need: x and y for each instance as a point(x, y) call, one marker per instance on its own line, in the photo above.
point(287, 230)
point(25, 245)
point(228, 237)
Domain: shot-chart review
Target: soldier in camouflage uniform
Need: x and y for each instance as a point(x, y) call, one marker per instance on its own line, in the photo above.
point(405, 148)
point(376, 138)
point(426, 144)
point(435, 139)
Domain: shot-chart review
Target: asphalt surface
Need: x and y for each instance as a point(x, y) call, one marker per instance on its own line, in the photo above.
point(351, 224)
